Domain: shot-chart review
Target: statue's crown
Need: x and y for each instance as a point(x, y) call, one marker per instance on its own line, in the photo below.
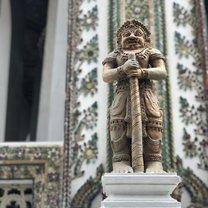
point(133, 24)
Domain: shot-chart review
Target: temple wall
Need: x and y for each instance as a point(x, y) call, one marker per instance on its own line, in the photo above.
point(176, 33)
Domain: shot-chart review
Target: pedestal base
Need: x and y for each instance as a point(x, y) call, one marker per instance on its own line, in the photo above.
point(139, 190)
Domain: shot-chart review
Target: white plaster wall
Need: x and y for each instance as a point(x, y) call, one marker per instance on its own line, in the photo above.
point(103, 87)
point(5, 42)
point(172, 65)
point(29, 144)
point(52, 95)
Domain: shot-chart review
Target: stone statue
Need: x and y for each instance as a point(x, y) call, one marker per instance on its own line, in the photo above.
point(135, 115)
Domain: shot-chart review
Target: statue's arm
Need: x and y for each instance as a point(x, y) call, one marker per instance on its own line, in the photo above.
point(110, 73)
point(157, 70)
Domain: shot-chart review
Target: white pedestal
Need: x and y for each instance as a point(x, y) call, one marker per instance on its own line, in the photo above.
point(139, 190)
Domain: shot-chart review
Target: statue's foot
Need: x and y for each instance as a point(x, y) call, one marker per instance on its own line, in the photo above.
point(122, 167)
point(154, 167)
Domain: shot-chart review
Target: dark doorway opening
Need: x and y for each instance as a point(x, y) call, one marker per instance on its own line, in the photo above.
point(28, 35)
point(206, 10)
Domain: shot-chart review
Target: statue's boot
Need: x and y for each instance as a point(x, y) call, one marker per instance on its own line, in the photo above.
point(121, 147)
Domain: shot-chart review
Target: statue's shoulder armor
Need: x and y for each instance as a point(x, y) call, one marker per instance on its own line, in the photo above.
point(111, 57)
point(155, 54)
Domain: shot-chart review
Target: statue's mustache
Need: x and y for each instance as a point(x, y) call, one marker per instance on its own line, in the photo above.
point(132, 40)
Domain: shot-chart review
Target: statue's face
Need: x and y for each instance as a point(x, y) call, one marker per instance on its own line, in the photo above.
point(133, 39)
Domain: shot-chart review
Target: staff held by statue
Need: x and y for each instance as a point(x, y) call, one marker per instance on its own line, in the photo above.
point(137, 143)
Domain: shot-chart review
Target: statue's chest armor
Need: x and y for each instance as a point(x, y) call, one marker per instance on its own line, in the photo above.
point(142, 57)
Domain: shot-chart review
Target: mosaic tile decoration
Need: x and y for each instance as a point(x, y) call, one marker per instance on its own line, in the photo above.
point(195, 187)
point(113, 25)
point(82, 81)
point(43, 164)
point(191, 57)
point(81, 138)
point(192, 80)
point(88, 191)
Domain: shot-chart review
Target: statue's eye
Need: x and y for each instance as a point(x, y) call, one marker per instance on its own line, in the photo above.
point(138, 33)
point(126, 34)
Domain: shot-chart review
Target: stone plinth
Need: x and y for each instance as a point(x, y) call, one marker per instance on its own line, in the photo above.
point(139, 190)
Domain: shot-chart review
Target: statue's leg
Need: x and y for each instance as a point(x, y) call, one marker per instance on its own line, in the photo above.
point(121, 146)
point(153, 138)
point(152, 146)
point(118, 132)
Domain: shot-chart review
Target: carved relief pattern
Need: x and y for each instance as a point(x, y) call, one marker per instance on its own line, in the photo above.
point(38, 163)
point(16, 195)
point(191, 67)
point(82, 85)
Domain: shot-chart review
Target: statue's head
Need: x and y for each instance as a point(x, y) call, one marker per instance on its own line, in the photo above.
point(133, 35)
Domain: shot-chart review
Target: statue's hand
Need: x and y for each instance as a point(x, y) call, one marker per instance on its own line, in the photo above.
point(135, 73)
point(129, 66)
